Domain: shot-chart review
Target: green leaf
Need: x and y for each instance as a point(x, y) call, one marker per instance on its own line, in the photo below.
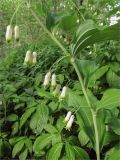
point(83, 138)
point(28, 144)
point(113, 79)
point(113, 154)
point(26, 115)
point(55, 151)
point(23, 155)
point(110, 99)
point(69, 151)
point(115, 125)
point(17, 148)
point(39, 118)
point(97, 75)
point(41, 142)
point(14, 140)
point(88, 34)
point(15, 128)
point(12, 117)
point(80, 153)
point(43, 93)
point(56, 138)
point(50, 128)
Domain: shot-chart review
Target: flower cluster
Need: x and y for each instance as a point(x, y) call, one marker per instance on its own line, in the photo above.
point(9, 33)
point(55, 86)
point(69, 120)
point(30, 58)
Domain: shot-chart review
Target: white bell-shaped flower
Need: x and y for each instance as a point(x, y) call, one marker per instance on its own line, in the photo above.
point(47, 79)
point(34, 59)
point(70, 122)
point(8, 34)
point(63, 93)
point(16, 33)
point(67, 116)
point(53, 81)
point(28, 57)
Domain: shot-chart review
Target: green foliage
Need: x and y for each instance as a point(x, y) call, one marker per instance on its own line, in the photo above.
point(31, 117)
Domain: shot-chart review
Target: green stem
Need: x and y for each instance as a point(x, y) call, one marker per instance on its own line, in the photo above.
point(15, 13)
point(92, 111)
point(49, 33)
point(80, 79)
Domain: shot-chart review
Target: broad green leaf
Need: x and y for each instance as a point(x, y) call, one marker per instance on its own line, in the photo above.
point(97, 75)
point(55, 152)
point(17, 148)
point(88, 34)
point(26, 115)
point(76, 100)
point(14, 140)
point(12, 117)
point(80, 153)
point(41, 142)
point(84, 113)
point(56, 138)
point(23, 155)
point(115, 125)
point(68, 22)
point(83, 138)
point(113, 79)
point(39, 118)
point(50, 128)
point(43, 93)
point(28, 144)
point(113, 154)
point(86, 68)
point(70, 153)
point(110, 99)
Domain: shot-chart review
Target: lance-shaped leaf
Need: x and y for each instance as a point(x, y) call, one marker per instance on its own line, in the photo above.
point(89, 33)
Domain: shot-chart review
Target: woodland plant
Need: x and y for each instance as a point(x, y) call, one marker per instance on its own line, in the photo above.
point(91, 103)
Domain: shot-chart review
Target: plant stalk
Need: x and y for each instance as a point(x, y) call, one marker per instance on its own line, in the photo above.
point(80, 79)
point(92, 111)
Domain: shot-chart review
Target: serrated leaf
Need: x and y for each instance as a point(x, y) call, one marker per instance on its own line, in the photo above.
point(110, 99)
point(26, 115)
point(55, 151)
point(17, 148)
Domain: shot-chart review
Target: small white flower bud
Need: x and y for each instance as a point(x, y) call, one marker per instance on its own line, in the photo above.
point(78, 20)
point(63, 93)
point(8, 33)
point(70, 122)
point(57, 90)
point(47, 79)
point(53, 81)
point(16, 33)
point(67, 116)
point(28, 57)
